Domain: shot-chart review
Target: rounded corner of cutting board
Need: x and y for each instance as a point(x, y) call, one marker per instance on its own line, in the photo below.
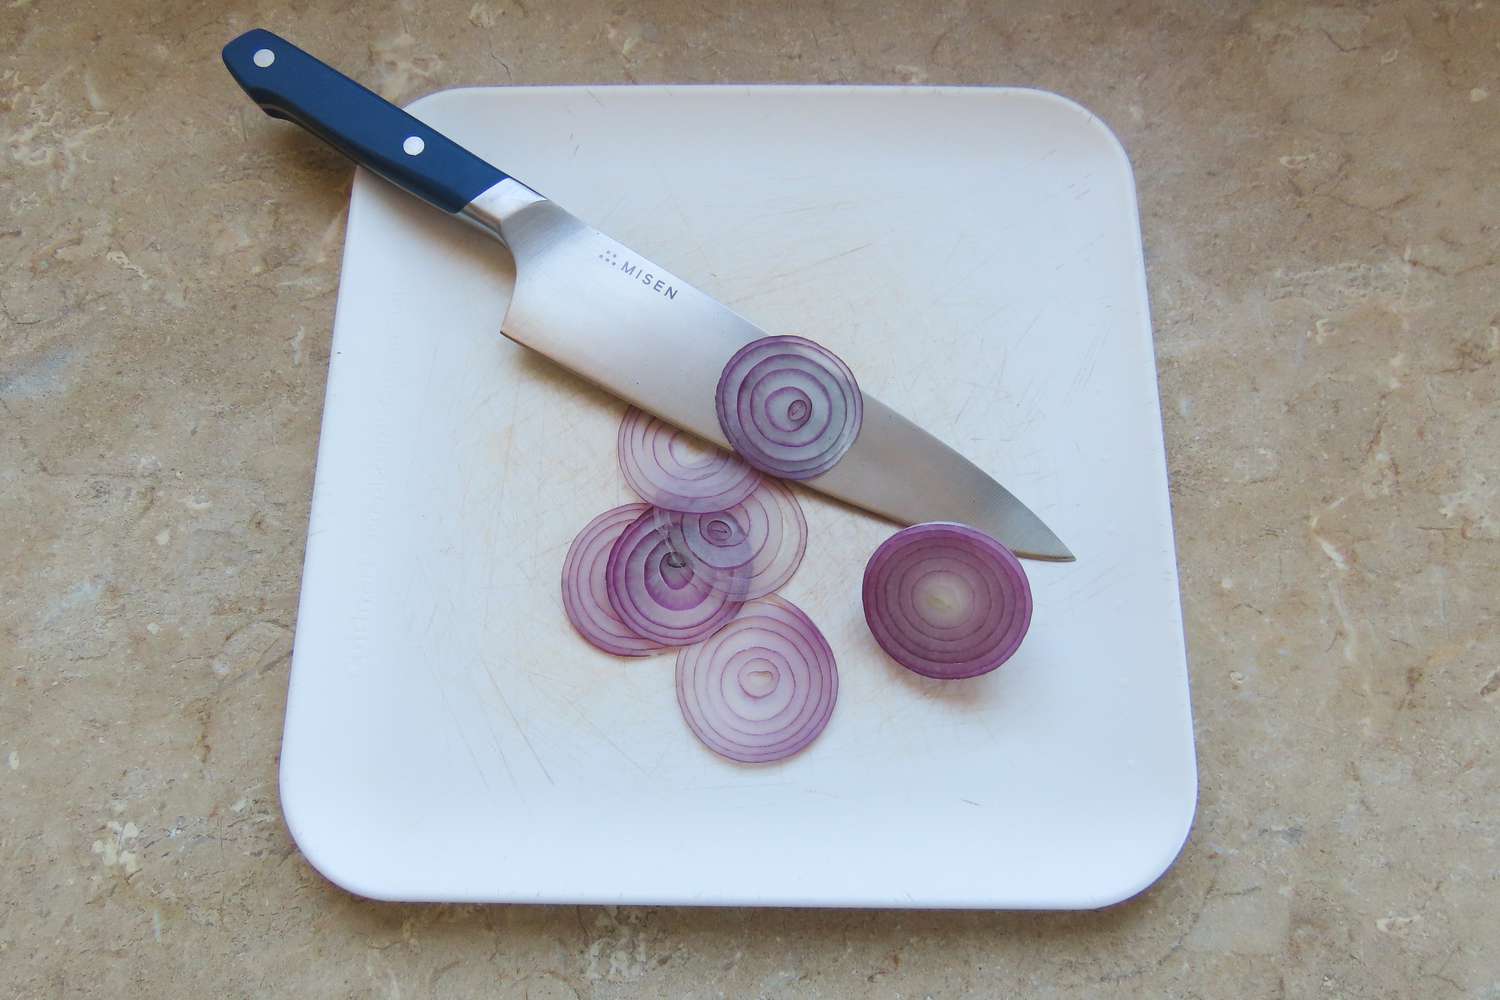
point(1079, 114)
point(1156, 859)
point(323, 839)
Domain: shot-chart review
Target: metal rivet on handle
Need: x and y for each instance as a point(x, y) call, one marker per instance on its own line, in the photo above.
point(413, 145)
point(263, 58)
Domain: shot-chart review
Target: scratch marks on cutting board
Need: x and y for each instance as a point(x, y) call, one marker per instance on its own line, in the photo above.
point(1087, 363)
point(469, 747)
point(774, 279)
point(520, 729)
point(568, 704)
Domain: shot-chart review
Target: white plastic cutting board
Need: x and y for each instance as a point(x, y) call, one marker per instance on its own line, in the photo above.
point(975, 256)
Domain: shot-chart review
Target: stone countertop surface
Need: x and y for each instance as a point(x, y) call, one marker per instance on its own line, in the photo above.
point(1320, 195)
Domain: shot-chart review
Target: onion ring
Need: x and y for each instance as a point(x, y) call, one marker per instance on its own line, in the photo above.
point(788, 406)
point(761, 688)
point(656, 594)
point(585, 592)
point(676, 471)
point(946, 601)
point(748, 551)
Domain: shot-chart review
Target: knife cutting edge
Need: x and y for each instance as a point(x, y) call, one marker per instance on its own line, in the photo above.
point(612, 316)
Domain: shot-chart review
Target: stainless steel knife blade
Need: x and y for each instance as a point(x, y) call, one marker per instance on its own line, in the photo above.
point(636, 329)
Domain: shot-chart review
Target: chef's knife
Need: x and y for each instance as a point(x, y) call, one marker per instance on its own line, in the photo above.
point(609, 314)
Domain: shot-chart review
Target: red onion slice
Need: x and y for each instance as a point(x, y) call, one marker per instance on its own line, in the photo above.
point(789, 407)
point(585, 592)
point(676, 471)
point(762, 687)
point(656, 594)
point(946, 601)
point(748, 551)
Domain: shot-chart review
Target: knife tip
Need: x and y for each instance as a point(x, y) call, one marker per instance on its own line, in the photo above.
point(1058, 557)
point(1050, 550)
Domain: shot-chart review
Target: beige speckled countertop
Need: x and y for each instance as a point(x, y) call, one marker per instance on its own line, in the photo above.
point(1320, 191)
